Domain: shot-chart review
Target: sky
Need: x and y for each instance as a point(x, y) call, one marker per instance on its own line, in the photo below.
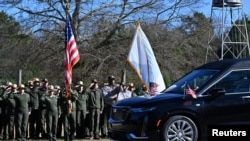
point(207, 9)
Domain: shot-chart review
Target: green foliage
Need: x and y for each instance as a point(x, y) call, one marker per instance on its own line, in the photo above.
point(167, 78)
point(8, 25)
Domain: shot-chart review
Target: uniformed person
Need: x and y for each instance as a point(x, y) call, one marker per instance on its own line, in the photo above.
point(145, 90)
point(110, 92)
point(96, 105)
point(34, 116)
point(53, 111)
point(2, 91)
point(3, 110)
point(68, 108)
point(11, 105)
point(82, 128)
point(58, 93)
point(132, 89)
point(42, 108)
point(22, 101)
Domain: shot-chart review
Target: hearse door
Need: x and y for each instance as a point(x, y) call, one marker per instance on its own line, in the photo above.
point(233, 105)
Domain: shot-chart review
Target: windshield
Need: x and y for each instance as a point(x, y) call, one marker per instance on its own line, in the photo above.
point(194, 80)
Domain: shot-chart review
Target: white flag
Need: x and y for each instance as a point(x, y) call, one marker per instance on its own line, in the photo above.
point(142, 59)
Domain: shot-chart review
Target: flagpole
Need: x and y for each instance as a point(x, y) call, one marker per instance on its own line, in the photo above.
point(71, 51)
point(68, 93)
point(123, 74)
point(138, 25)
point(66, 4)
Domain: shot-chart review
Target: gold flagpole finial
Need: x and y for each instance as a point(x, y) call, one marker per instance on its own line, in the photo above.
point(66, 4)
point(138, 24)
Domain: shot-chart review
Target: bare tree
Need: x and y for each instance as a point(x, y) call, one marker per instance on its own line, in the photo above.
point(103, 30)
point(102, 19)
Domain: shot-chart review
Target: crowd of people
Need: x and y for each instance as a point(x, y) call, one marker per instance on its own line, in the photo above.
point(40, 110)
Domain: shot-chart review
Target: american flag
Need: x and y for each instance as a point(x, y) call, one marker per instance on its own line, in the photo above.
point(190, 91)
point(72, 55)
point(153, 87)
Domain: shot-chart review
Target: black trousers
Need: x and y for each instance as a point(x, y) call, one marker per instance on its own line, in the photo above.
point(11, 125)
point(104, 122)
point(52, 120)
point(42, 122)
point(34, 126)
point(94, 117)
point(82, 127)
point(69, 123)
point(21, 125)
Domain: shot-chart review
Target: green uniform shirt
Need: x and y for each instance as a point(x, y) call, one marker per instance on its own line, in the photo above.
point(11, 104)
point(95, 100)
point(22, 102)
point(52, 104)
point(42, 95)
point(81, 103)
point(34, 97)
point(63, 101)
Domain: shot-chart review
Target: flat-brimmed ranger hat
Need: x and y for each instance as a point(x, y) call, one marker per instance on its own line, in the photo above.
point(51, 88)
point(36, 79)
point(131, 84)
point(94, 81)
point(21, 86)
point(111, 77)
point(9, 84)
point(79, 83)
point(14, 86)
point(57, 87)
point(45, 80)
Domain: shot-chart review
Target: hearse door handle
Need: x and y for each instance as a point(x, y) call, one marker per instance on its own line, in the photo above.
point(245, 97)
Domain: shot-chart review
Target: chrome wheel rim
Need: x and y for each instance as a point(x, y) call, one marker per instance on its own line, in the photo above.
point(180, 130)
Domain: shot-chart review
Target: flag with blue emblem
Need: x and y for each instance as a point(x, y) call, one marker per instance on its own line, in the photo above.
point(142, 59)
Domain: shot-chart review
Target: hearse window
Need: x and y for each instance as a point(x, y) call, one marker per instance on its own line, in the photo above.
point(235, 82)
point(196, 80)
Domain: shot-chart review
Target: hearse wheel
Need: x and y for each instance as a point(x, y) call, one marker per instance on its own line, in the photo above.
point(180, 128)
